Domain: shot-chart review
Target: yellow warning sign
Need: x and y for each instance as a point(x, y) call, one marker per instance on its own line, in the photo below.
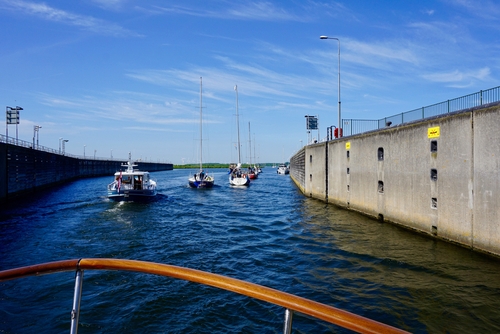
point(433, 132)
point(348, 145)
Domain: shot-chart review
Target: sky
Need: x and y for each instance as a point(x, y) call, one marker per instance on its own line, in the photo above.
point(119, 76)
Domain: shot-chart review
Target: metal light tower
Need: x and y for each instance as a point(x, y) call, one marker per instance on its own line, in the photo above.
point(64, 146)
point(12, 117)
point(340, 120)
point(36, 128)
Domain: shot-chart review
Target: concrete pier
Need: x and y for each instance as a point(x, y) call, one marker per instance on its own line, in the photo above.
point(438, 176)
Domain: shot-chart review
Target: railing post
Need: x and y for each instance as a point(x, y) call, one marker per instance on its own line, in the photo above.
point(287, 325)
point(75, 311)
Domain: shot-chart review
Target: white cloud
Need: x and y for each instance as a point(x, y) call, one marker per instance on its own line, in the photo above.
point(49, 13)
point(260, 11)
point(486, 9)
point(457, 76)
point(109, 4)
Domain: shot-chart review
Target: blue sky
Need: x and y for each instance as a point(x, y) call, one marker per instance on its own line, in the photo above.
point(119, 76)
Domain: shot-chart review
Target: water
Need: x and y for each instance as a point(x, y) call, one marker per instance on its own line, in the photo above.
point(268, 234)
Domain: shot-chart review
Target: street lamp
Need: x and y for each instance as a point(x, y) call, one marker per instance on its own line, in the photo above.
point(60, 138)
point(36, 128)
point(64, 145)
point(340, 121)
point(84, 151)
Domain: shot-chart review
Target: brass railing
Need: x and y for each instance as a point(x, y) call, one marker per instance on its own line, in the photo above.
point(290, 302)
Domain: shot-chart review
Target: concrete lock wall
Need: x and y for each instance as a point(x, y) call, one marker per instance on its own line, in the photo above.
point(25, 170)
point(439, 176)
point(486, 176)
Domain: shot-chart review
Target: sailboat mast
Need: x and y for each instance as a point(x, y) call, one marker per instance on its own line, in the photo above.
point(249, 143)
point(238, 124)
point(254, 155)
point(201, 126)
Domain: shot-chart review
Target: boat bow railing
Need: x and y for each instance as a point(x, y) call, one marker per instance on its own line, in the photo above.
point(292, 304)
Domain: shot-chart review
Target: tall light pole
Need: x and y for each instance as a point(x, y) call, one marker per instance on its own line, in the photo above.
point(64, 146)
point(340, 120)
point(61, 138)
point(12, 116)
point(36, 128)
point(84, 151)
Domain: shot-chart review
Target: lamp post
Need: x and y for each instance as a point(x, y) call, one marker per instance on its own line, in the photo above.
point(36, 128)
point(340, 121)
point(64, 146)
point(84, 151)
point(61, 138)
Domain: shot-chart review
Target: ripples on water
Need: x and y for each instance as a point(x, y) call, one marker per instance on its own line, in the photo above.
point(267, 234)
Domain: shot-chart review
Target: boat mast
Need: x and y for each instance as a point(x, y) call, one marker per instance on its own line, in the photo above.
point(254, 155)
point(250, 143)
point(238, 124)
point(201, 126)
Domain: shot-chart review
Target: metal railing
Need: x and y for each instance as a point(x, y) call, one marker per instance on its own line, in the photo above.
point(290, 302)
point(27, 144)
point(483, 97)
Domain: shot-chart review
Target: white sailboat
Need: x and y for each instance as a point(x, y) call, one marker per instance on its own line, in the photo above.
point(236, 176)
point(201, 179)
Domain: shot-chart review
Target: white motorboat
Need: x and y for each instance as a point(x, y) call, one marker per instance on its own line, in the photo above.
point(201, 179)
point(131, 184)
point(283, 169)
point(236, 176)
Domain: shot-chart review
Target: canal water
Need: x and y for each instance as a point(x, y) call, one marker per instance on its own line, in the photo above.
point(269, 234)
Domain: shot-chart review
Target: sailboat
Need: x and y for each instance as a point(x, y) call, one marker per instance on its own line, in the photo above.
point(236, 176)
point(252, 171)
point(201, 179)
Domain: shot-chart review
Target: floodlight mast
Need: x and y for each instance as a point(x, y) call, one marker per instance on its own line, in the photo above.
point(339, 112)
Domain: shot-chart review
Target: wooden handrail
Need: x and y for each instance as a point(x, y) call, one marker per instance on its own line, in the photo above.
point(298, 304)
point(39, 269)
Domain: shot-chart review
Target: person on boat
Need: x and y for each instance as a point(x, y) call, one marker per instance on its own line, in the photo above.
point(137, 182)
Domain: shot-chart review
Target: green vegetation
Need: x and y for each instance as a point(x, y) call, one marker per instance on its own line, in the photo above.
point(217, 165)
point(205, 165)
